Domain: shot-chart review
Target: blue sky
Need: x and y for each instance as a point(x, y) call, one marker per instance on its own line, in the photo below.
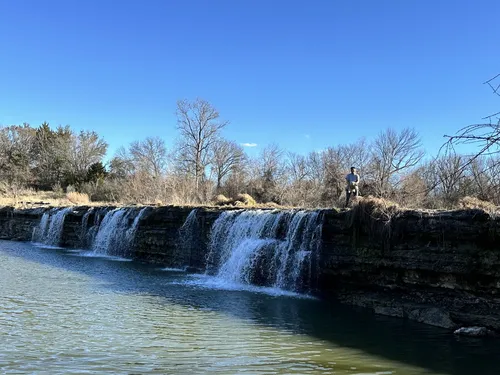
point(303, 74)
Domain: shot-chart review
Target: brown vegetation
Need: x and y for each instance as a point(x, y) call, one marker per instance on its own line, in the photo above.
point(475, 203)
point(371, 208)
point(245, 199)
point(203, 164)
point(78, 198)
point(221, 200)
point(241, 200)
point(375, 215)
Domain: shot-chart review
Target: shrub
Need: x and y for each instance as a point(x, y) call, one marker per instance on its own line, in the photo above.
point(57, 189)
point(106, 191)
point(78, 198)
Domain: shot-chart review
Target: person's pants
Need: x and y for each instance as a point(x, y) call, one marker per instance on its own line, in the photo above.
point(348, 195)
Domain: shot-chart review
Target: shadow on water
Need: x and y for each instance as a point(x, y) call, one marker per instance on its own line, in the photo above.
point(394, 339)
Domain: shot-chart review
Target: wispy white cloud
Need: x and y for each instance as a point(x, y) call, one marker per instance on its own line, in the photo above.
point(307, 136)
point(249, 144)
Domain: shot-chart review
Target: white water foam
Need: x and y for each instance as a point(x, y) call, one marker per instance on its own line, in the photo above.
point(115, 234)
point(91, 254)
point(269, 248)
point(50, 228)
point(173, 269)
point(210, 282)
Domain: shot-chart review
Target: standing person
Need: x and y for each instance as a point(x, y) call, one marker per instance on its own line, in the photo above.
point(352, 185)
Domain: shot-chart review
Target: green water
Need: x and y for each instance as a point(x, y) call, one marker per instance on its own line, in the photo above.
point(62, 313)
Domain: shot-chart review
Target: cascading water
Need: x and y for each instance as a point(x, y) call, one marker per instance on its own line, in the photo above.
point(49, 230)
point(40, 231)
point(89, 230)
point(116, 234)
point(85, 228)
point(188, 240)
point(268, 248)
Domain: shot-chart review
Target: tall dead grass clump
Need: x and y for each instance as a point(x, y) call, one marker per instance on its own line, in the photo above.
point(241, 200)
point(221, 200)
point(77, 198)
point(246, 199)
point(373, 214)
point(476, 203)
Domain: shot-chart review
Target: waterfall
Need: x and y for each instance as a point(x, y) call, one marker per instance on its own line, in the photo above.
point(50, 228)
point(84, 238)
point(40, 231)
point(188, 240)
point(89, 230)
point(116, 232)
point(268, 248)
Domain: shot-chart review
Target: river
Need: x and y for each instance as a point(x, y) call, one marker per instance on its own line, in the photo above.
point(64, 313)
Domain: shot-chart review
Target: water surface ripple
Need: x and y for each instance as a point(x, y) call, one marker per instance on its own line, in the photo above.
point(61, 313)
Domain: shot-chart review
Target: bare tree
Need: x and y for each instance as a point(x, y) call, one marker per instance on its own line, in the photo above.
point(225, 156)
point(297, 168)
point(484, 173)
point(492, 172)
point(121, 165)
point(199, 126)
point(87, 148)
point(16, 150)
point(271, 172)
point(392, 154)
point(316, 167)
point(336, 163)
point(413, 191)
point(150, 156)
point(298, 173)
point(51, 155)
point(355, 154)
point(450, 174)
point(238, 178)
point(486, 136)
point(334, 173)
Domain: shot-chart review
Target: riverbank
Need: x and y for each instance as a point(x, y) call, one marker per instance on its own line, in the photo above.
point(436, 267)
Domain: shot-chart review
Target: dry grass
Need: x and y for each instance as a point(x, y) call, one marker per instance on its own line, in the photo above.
point(246, 199)
point(372, 213)
point(371, 208)
point(221, 200)
point(272, 205)
point(375, 214)
point(241, 200)
point(78, 198)
point(31, 199)
point(475, 203)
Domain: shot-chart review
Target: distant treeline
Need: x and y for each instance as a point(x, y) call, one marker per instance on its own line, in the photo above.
point(203, 164)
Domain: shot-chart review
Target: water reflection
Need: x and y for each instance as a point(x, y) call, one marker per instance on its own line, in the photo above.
point(63, 313)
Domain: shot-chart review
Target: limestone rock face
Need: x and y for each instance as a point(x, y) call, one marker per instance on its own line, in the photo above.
point(18, 225)
point(159, 238)
point(439, 268)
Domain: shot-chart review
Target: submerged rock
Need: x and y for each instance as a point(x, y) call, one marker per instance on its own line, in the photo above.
point(474, 332)
point(431, 315)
